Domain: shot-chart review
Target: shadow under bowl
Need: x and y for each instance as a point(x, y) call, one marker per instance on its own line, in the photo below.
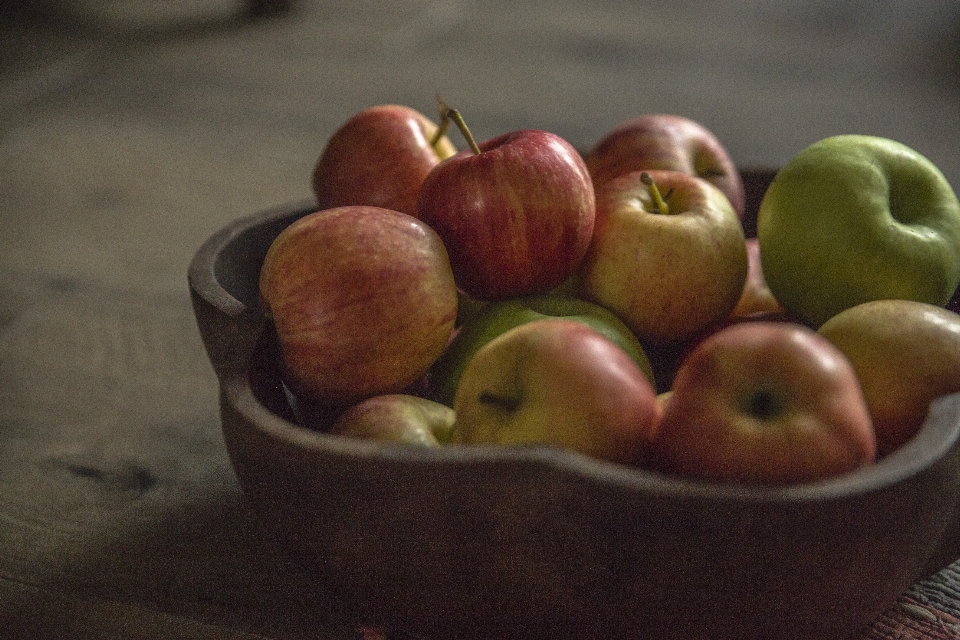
point(535, 542)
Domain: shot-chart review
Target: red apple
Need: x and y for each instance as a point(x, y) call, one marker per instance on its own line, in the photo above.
point(756, 297)
point(765, 403)
point(663, 141)
point(669, 265)
point(363, 301)
point(906, 354)
point(379, 157)
point(516, 213)
point(557, 382)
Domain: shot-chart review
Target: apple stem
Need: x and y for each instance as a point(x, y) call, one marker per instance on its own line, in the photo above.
point(658, 200)
point(438, 136)
point(446, 115)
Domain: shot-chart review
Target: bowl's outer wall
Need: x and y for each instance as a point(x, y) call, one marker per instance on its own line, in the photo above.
point(224, 280)
point(529, 547)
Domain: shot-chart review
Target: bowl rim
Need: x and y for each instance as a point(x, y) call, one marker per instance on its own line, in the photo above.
point(937, 436)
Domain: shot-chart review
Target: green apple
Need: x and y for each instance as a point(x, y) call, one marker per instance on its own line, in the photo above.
point(496, 317)
point(397, 417)
point(557, 382)
point(854, 218)
point(906, 354)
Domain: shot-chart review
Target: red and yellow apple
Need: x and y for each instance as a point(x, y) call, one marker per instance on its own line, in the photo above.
point(499, 316)
point(379, 157)
point(906, 354)
point(396, 417)
point(363, 301)
point(668, 255)
point(557, 382)
point(666, 142)
point(765, 403)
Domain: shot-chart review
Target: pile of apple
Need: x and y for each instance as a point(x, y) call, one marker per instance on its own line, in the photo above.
point(518, 292)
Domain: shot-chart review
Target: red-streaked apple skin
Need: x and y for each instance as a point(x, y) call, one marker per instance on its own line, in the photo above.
point(666, 142)
point(363, 301)
point(668, 276)
point(570, 387)
point(379, 157)
point(396, 417)
point(765, 403)
point(516, 218)
point(906, 354)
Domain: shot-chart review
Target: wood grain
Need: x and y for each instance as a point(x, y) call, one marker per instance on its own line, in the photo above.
point(117, 501)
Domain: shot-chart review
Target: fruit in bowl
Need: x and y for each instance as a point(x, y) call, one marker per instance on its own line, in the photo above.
point(379, 157)
point(363, 301)
point(558, 382)
point(853, 218)
point(668, 255)
point(497, 317)
point(668, 142)
point(905, 354)
point(499, 540)
point(516, 212)
point(768, 403)
point(532, 525)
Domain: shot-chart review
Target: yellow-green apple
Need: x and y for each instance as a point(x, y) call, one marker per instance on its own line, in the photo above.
point(906, 354)
point(363, 300)
point(756, 297)
point(853, 218)
point(515, 212)
point(557, 382)
point(499, 316)
point(379, 157)
point(668, 265)
point(765, 403)
point(397, 417)
point(666, 142)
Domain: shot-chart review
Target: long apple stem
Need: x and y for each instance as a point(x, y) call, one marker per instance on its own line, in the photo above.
point(447, 114)
point(658, 200)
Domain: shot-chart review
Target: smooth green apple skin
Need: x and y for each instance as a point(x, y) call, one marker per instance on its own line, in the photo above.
point(854, 218)
point(767, 403)
point(557, 382)
point(667, 276)
point(497, 317)
point(397, 417)
point(906, 354)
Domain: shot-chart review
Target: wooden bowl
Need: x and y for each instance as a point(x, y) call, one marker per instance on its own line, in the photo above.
point(534, 542)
